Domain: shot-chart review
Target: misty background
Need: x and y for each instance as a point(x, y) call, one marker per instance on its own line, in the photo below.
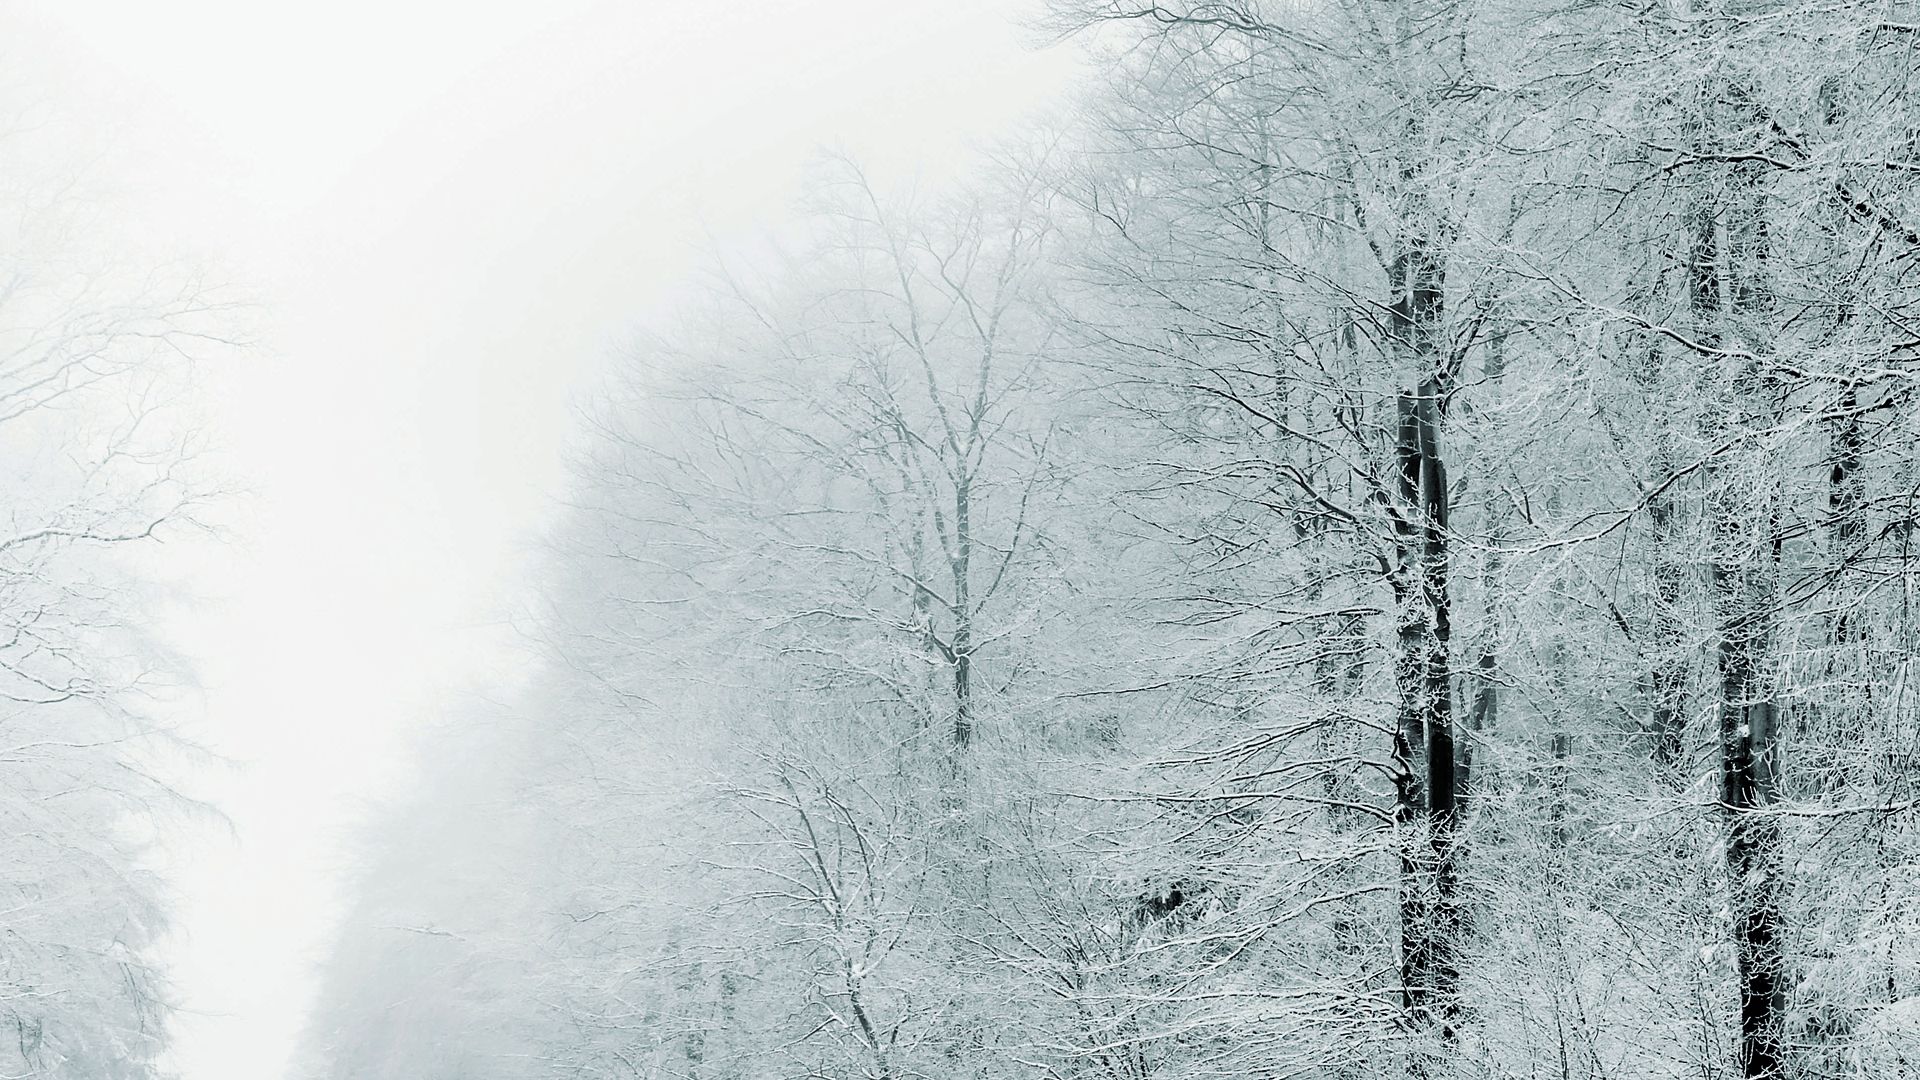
point(447, 217)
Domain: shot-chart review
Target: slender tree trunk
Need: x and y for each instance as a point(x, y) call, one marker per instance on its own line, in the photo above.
point(1667, 675)
point(1846, 502)
point(1754, 867)
point(962, 614)
point(1745, 551)
point(1498, 613)
point(1424, 744)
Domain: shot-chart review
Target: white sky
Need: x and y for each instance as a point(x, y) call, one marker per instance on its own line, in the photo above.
point(451, 211)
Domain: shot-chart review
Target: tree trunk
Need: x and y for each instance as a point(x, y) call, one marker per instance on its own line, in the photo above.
point(1427, 808)
point(962, 615)
point(1745, 553)
point(1668, 672)
point(1754, 868)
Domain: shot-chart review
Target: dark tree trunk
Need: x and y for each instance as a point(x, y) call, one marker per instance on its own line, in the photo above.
point(1846, 500)
point(1745, 554)
point(1424, 745)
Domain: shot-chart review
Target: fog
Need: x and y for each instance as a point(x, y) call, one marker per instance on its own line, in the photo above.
point(1018, 540)
point(447, 215)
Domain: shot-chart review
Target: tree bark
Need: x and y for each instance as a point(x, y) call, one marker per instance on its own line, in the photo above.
point(1427, 806)
point(962, 615)
point(1745, 554)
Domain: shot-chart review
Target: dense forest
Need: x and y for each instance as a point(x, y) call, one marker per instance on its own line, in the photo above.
point(1379, 546)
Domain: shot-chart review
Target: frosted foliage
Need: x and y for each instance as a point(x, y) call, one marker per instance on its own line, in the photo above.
point(1376, 547)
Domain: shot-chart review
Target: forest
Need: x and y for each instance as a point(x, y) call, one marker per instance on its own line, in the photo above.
point(1375, 542)
point(1378, 547)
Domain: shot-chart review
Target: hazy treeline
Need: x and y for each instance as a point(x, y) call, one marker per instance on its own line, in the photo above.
point(94, 347)
point(1380, 549)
